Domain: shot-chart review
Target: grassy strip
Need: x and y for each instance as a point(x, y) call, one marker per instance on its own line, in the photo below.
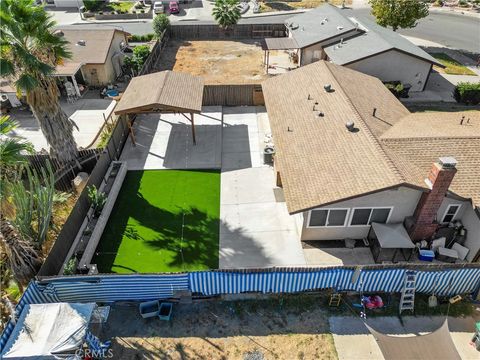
point(163, 221)
point(453, 67)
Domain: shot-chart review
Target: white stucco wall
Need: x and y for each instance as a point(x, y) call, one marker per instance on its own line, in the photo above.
point(471, 221)
point(404, 201)
point(68, 3)
point(394, 65)
point(450, 201)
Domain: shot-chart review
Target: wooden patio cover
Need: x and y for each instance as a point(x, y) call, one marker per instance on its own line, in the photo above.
point(163, 92)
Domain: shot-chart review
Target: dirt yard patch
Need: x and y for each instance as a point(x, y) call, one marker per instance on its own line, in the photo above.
point(274, 329)
point(218, 62)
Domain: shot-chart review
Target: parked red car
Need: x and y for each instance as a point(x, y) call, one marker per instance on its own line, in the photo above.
point(173, 7)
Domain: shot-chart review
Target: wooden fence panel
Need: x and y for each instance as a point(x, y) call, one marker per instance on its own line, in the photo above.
point(233, 95)
point(214, 32)
point(63, 243)
point(154, 55)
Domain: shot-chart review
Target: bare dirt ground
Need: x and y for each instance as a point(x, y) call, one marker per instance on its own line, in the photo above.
point(264, 329)
point(286, 5)
point(218, 62)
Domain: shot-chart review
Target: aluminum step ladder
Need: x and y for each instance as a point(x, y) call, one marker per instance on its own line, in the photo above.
point(335, 299)
point(407, 299)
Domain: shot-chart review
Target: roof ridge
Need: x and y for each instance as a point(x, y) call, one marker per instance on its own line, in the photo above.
point(391, 164)
point(429, 138)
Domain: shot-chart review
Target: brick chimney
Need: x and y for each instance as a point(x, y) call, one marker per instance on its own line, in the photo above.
point(425, 217)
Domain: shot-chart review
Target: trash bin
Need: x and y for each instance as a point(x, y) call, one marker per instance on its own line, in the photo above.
point(268, 153)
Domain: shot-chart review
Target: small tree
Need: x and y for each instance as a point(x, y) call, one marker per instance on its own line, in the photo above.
point(398, 13)
point(160, 24)
point(226, 12)
point(136, 61)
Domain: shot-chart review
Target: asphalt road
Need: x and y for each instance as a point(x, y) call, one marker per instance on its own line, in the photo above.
point(452, 30)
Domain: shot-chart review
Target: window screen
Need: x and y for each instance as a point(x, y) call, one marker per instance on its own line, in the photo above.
point(337, 217)
point(360, 216)
point(379, 216)
point(318, 217)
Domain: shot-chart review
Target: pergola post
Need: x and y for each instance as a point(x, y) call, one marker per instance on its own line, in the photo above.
point(132, 135)
point(268, 59)
point(193, 129)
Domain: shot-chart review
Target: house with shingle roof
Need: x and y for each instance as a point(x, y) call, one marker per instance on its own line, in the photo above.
point(349, 154)
point(330, 33)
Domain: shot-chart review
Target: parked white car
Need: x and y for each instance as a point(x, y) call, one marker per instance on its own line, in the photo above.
point(158, 7)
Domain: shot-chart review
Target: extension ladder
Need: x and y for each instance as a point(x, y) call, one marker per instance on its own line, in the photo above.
point(407, 299)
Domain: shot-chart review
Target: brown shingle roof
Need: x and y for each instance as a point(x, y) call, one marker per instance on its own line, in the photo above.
point(97, 44)
point(162, 91)
point(319, 160)
point(419, 139)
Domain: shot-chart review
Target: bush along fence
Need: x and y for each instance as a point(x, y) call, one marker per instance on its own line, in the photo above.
point(149, 65)
point(70, 229)
point(443, 281)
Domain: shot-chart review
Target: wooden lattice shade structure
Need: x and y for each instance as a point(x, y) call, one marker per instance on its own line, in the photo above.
point(163, 92)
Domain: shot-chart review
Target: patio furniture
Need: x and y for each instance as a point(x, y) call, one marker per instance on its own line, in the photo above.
point(447, 255)
point(149, 309)
point(165, 312)
point(390, 242)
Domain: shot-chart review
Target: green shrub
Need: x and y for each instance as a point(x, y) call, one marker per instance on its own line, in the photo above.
point(97, 199)
point(160, 24)
point(92, 5)
point(397, 89)
point(463, 3)
point(71, 267)
point(467, 93)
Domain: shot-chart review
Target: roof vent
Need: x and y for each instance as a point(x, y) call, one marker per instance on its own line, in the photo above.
point(350, 126)
point(293, 26)
point(328, 87)
point(447, 162)
point(339, 27)
point(81, 43)
point(59, 33)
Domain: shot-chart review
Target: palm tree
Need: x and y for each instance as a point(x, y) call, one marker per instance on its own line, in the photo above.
point(12, 148)
point(23, 259)
point(226, 12)
point(30, 51)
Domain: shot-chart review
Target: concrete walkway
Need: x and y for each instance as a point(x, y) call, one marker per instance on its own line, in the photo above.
point(354, 341)
point(256, 229)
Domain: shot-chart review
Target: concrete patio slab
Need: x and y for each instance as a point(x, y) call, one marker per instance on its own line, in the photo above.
point(87, 114)
point(354, 341)
point(338, 256)
point(255, 230)
point(164, 141)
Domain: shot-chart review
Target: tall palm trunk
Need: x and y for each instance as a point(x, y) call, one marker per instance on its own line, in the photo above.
point(22, 257)
point(55, 125)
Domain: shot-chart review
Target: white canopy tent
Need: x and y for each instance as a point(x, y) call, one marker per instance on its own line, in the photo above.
point(48, 331)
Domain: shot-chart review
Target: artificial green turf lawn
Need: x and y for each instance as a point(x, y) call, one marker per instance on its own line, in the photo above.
point(144, 231)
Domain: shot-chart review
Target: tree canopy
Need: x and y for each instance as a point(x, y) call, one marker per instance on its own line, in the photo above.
point(398, 13)
point(226, 12)
point(160, 24)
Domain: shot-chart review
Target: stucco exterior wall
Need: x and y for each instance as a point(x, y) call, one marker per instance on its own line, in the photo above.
point(403, 200)
point(394, 65)
point(471, 221)
point(104, 74)
point(451, 201)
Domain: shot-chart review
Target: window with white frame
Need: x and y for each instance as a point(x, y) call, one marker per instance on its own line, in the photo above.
point(450, 213)
point(365, 216)
point(327, 217)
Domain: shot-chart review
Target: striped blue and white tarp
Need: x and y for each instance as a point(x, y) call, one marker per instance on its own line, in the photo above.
point(218, 282)
point(382, 280)
point(117, 287)
point(449, 281)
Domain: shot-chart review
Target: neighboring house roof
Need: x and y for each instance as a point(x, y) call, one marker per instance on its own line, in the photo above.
point(67, 69)
point(319, 24)
point(97, 44)
point(375, 40)
point(162, 91)
point(6, 86)
point(416, 141)
point(321, 162)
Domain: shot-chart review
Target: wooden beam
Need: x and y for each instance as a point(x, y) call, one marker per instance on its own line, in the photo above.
point(132, 135)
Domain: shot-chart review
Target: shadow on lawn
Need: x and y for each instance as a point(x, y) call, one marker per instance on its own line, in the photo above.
point(191, 234)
